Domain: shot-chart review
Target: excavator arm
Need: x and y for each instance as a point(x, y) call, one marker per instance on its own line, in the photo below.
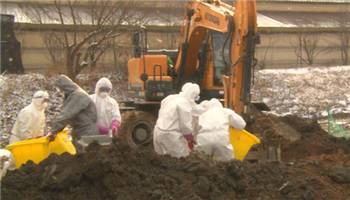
point(237, 83)
point(239, 23)
point(198, 19)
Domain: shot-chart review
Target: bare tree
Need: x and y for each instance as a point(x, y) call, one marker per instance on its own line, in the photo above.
point(122, 52)
point(271, 41)
point(340, 41)
point(54, 48)
point(307, 47)
point(82, 49)
point(344, 36)
point(171, 17)
point(20, 35)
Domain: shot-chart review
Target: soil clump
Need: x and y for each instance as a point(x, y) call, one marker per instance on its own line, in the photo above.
point(120, 172)
point(297, 138)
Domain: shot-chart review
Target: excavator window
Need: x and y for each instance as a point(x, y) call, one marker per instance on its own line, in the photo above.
point(218, 41)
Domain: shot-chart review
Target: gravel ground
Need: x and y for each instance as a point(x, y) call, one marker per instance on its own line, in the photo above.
point(305, 92)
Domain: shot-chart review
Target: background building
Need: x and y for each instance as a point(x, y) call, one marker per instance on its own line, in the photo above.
point(294, 33)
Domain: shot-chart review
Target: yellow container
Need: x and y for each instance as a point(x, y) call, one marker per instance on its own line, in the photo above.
point(35, 150)
point(39, 149)
point(242, 141)
point(62, 144)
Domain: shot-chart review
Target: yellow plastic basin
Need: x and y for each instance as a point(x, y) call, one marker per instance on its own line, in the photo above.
point(62, 144)
point(242, 141)
point(37, 150)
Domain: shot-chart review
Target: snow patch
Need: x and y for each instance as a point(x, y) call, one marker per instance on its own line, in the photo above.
point(306, 92)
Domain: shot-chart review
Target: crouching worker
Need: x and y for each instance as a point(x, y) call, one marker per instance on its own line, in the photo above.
point(173, 130)
point(213, 137)
point(108, 114)
point(78, 111)
point(30, 123)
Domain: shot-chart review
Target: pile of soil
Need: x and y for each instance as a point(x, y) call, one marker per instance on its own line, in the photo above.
point(297, 138)
point(120, 173)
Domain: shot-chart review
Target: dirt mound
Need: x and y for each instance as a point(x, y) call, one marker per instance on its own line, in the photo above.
point(119, 172)
point(297, 138)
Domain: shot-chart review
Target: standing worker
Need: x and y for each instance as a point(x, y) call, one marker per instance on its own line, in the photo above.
point(173, 130)
point(213, 137)
point(30, 123)
point(108, 114)
point(78, 111)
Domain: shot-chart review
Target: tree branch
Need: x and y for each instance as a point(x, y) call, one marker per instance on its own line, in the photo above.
point(59, 10)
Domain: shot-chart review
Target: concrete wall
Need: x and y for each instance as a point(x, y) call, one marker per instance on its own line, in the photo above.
point(277, 49)
point(36, 56)
point(280, 50)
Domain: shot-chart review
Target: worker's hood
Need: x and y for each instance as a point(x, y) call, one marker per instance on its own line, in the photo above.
point(214, 103)
point(186, 86)
point(66, 85)
point(103, 82)
point(38, 99)
point(190, 91)
point(205, 104)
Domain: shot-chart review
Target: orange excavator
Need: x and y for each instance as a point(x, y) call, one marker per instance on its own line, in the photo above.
point(217, 49)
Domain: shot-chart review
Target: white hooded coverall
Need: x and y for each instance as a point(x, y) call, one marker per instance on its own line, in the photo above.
point(107, 108)
point(213, 137)
point(197, 110)
point(175, 121)
point(30, 122)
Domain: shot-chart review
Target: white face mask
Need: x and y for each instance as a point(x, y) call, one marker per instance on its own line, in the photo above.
point(104, 94)
point(44, 105)
point(197, 98)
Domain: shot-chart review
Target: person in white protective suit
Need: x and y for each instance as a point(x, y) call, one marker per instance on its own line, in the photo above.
point(173, 130)
point(108, 113)
point(213, 137)
point(197, 109)
point(30, 123)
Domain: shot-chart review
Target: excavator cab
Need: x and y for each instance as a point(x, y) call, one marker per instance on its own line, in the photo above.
point(152, 75)
point(149, 75)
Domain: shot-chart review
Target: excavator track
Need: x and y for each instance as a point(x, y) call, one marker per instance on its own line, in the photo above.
point(137, 128)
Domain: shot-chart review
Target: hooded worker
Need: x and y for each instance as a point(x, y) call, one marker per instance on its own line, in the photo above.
point(30, 123)
point(213, 137)
point(78, 111)
point(173, 130)
point(197, 109)
point(108, 114)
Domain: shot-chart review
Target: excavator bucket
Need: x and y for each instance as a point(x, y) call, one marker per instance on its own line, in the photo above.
point(260, 105)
